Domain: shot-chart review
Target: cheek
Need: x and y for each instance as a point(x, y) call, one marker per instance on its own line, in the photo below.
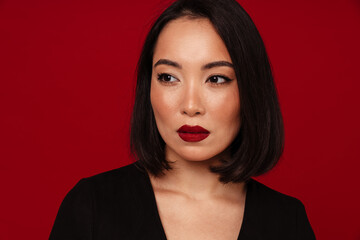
point(226, 107)
point(163, 103)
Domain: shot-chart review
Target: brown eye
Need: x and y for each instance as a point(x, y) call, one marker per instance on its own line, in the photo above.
point(166, 77)
point(217, 79)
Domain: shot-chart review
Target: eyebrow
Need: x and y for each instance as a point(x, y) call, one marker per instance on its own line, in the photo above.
point(167, 62)
point(217, 64)
point(205, 67)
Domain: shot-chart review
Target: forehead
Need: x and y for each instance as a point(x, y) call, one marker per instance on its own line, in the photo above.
point(187, 39)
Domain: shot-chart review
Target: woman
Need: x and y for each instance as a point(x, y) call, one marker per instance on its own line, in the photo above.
point(206, 119)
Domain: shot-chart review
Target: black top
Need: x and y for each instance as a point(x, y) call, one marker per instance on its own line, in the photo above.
point(120, 204)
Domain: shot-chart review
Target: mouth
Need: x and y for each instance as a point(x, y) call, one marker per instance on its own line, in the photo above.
point(192, 133)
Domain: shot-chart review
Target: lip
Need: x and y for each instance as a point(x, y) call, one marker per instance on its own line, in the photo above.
point(192, 133)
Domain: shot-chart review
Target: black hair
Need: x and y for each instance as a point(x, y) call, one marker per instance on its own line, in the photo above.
point(260, 141)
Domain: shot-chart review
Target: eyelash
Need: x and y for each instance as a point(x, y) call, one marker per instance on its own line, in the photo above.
point(160, 77)
point(227, 80)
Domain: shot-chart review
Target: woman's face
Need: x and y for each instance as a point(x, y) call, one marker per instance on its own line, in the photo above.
point(194, 92)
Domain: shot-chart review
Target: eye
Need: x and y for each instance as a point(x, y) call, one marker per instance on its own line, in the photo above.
point(218, 79)
point(164, 77)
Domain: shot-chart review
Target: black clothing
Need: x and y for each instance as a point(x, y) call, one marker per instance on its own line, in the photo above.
point(120, 204)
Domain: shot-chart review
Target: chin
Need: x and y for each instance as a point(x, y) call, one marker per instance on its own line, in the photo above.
point(198, 155)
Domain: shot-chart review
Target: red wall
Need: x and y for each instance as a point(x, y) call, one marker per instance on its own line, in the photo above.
point(66, 80)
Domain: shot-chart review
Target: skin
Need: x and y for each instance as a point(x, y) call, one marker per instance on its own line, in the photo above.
point(188, 89)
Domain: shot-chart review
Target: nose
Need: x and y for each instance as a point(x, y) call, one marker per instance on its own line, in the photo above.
point(192, 101)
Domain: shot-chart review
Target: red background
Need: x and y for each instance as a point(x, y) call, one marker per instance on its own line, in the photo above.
point(66, 91)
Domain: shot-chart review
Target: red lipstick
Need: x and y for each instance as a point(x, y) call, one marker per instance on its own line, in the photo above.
point(193, 134)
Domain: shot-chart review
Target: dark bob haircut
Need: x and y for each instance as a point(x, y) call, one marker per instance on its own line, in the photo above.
point(260, 141)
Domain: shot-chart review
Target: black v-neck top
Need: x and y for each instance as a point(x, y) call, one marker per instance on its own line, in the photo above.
point(120, 204)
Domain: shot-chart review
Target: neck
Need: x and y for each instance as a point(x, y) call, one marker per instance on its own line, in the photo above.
point(195, 180)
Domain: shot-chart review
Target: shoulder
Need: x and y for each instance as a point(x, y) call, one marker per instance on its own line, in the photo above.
point(271, 203)
point(96, 203)
point(269, 197)
point(110, 188)
point(107, 184)
point(121, 176)
point(117, 184)
point(272, 213)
